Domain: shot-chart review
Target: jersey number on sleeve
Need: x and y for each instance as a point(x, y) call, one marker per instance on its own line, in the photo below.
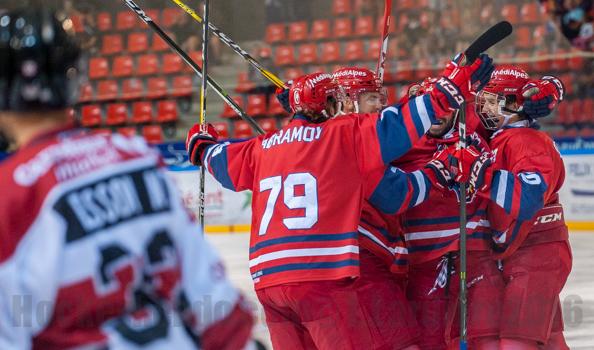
point(307, 201)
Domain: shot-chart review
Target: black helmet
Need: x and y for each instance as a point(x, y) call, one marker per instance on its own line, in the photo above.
point(38, 61)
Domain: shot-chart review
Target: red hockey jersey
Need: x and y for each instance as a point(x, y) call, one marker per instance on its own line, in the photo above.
point(525, 206)
point(309, 182)
point(97, 251)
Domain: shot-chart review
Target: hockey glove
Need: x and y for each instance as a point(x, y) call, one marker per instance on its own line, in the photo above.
point(282, 95)
point(197, 141)
point(541, 96)
point(473, 167)
point(439, 172)
point(458, 83)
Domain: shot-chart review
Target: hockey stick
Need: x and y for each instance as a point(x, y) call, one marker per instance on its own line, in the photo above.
point(219, 90)
point(381, 63)
point(203, 89)
point(225, 39)
point(489, 38)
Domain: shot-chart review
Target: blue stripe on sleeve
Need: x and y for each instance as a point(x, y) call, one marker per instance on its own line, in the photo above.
point(415, 116)
point(392, 134)
point(509, 193)
point(532, 195)
point(216, 160)
point(390, 193)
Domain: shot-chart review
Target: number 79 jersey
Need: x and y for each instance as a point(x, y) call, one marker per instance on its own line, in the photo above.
point(309, 182)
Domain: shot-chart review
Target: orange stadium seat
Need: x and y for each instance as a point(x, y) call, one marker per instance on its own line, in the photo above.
point(181, 85)
point(137, 42)
point(244, 84)
point(126, 20)
point(170, 15)
point(330, 52)
point(256, 105)
point(524, 37)
point(275, 33)
point(298, 31)
point(107, 90)
point(123, 66)
point(91, 115)
point(172, 63)
point(343, 27)
point(228, 112)
point(275, 108)
point(530, 13)
point(128, 131)
point(142, 112)
point(341, 7)
point(117, 114)
point(307, 54)
point(222, 129)
point(112, 44)
point(354, 51)
point(364, 26)
point(320, 29)
point(242, 129)
point(132, 89)
point(268, 124)
point(510, 13)
point(153, 134)
point(104, 23)
point(284, 55)
point(156, 88)
point(166, 111)
point(86, 93)
point(293, 73)
point(147, 64)
point(159, 44)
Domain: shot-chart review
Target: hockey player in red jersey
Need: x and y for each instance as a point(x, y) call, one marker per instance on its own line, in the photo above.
point(359, 91)
point(96, 248)
point(525, 214)
point(308, 182)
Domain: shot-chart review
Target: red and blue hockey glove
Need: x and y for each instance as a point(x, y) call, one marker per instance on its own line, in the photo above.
point(458, 83)
point(198, 140)
point(472, 166)
point(439, 173)
point(542, 96)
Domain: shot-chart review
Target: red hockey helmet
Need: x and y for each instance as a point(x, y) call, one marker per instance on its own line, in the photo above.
point(504, 87)
point(352, 81)
point(310, 93)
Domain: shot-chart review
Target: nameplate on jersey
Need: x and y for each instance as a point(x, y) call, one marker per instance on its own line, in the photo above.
point(111, 201)
point(294, 134)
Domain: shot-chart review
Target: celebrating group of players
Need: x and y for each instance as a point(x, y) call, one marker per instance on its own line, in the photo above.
point(355, 228)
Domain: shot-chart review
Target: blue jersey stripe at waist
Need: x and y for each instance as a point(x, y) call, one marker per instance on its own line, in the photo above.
point(304, 238)
point(442, 220)
point(304, 266)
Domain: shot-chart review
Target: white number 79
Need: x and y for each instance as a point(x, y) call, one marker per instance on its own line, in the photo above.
point(307, 201)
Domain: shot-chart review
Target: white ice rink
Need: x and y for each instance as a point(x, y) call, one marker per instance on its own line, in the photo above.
point(577, 297)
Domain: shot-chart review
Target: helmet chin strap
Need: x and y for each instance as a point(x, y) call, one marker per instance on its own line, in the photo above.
point(507, 114)
point(339, 110)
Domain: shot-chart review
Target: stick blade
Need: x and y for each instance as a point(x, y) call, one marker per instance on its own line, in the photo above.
point(489, 38)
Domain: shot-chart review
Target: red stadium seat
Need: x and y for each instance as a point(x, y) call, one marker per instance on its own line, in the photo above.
point(587, 132)
point(524, 37)
point(588, 109)
point(406, 4)
point(166, 111)
point(86, 93)
point(117, 114)
point(530, 13)
point(137, 42)
point(242, 129)
point(196, 56)
point(244, 84)
point(159, 44)
point(364, 26)
point(538, 35)
point(222, 129)
point(330, 52)
point(293, 73)
point(284, 55)
point(275, 33)
point(142, 112)
point(91, 115)
point(181, 86)
point(373, 50)
point(510, 13)
point(568, 82)
point(564, 116)
point(404, 71)
point(123, 66)
point(153, 134)
point(275, 108)
point(307, 54)
point(268, 124)
point(112, 44)
point(343, 27)
point(107, 90)
point(172, 63)
point(298, 31)
point(170, 16)
point(341, 7)
point(577, 110)
point(132, 89)
point(128, 131)
point(126, 20)
point(104, 23)
point(228, 112)
point(524, 65)
point(543, 65)
point(156, 88)
point(256, 105)
point(154, 14)
point(576, 62)
point(147, 65)
point(78, 24)
point(423, 69)
point(101, 131)
point(320, 29)
point(354, 51)
point(560, 63)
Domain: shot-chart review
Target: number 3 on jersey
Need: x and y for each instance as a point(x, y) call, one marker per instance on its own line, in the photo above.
point(307, 201)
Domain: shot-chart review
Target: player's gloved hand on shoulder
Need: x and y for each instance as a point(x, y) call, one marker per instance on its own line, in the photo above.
point(542, 96)
point(459, 83)
point(282, 95)
point(197, 141)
